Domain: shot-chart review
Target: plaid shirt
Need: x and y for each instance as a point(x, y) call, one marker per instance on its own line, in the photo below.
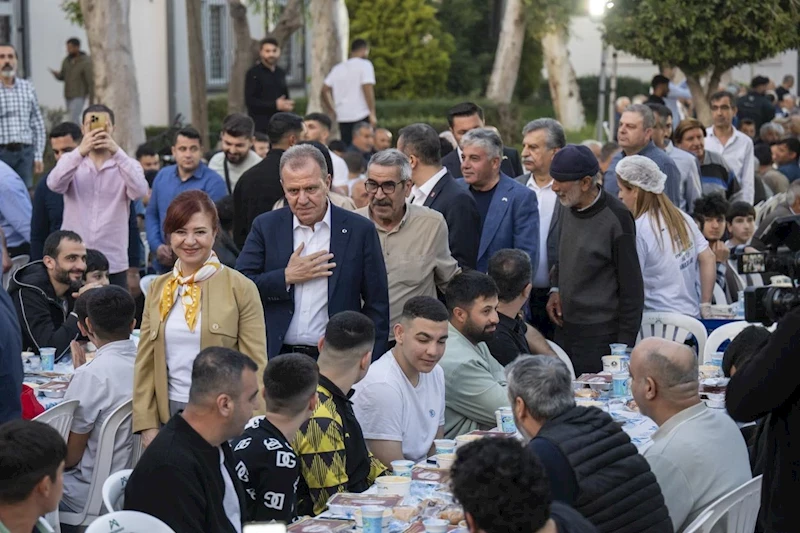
point(20, 117)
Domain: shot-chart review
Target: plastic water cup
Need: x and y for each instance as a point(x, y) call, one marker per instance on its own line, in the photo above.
point(372, 518)
point(716, 359)
point(618, 348)
point(619, 385)
point(444, 445)
point(436, 525)
point(505, 420)
point(48, 356)
point(402, 467)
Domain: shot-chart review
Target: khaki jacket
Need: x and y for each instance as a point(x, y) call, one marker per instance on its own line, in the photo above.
point(231, 317)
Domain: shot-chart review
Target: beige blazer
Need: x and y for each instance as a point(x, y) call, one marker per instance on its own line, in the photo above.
point(231, 316)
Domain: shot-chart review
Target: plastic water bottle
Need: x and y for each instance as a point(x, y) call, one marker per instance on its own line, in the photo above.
point(740, 305)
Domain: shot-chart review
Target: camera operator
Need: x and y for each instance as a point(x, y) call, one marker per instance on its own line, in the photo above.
point(768, 384)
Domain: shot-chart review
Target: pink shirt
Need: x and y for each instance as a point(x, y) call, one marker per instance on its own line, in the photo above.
point(97, 201)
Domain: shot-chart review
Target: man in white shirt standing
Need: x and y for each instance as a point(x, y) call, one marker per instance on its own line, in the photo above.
point(400, 403)
point(237, 155)
point(542, 138)
point(698, 454)
point(348, 94)
point(736, 147)
point(318, 128)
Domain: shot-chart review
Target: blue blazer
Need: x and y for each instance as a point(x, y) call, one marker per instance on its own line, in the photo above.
point(512, 222)
point(359, 275)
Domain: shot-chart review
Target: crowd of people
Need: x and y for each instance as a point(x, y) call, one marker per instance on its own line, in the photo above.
point(363, 301)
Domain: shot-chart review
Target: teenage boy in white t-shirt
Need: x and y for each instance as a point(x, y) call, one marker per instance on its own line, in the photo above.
point(400, 403)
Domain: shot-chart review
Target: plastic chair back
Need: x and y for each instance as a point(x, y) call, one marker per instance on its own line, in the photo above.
point(132, 521)
point(725, 332)
point(114, 490)
point(737, 511)
point(119, 420)
point(145, 282)
point(674, 327)
point(16, 263)
point(60, 417)
point(563, 356)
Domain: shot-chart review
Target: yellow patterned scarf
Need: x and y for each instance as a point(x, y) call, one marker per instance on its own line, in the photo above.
point(191, 291)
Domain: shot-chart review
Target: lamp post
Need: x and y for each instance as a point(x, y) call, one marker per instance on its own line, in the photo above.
point(597, 10)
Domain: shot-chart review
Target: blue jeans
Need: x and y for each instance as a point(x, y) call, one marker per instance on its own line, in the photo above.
point(75, 109)
point(21, 161)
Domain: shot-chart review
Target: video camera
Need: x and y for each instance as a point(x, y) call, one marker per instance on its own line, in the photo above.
point(770, 303)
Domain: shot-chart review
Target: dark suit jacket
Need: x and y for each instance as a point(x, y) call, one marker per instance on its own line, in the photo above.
point(255, 193)
point(510, 166)
point(360, 273)
point(463, 219)
point(512, 221)
point(555, 227)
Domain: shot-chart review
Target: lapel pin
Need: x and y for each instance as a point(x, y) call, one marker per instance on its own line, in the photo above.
point(505, 199)
point(344, 231)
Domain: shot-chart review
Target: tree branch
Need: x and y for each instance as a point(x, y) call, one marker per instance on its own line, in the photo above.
point(290, 21)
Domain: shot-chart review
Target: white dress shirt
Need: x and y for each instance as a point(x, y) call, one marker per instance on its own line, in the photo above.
point(310, 298)
point(547, 207)
point(420, 194)
point(738, 155)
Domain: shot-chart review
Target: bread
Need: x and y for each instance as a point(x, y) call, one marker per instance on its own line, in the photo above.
point(453, 514)
point(587, 393)
point(405, 513)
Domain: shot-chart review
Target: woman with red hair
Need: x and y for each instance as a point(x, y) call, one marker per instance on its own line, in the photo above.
point(201, 303)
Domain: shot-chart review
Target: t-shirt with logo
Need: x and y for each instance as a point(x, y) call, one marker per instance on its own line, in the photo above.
point(269, 471)
point(389, 407)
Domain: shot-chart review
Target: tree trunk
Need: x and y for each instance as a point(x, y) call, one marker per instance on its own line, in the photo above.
point(290, 21)
point(564, 91)
point(509, 54)
point(245, 55)
point(330, 29)
point(699, 99)
point(108, 32)
point(197, 69)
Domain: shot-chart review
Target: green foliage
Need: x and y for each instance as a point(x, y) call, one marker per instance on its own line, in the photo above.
point(698, 35)
point(471, 24)
point(410, 51)
point(72, 10)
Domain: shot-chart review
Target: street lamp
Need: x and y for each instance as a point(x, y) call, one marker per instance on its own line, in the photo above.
point(597, 11)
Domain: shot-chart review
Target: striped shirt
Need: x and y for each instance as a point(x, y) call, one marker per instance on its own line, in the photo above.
point(20, 117)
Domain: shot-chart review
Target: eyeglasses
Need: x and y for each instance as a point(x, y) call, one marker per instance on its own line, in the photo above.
point(388, 187)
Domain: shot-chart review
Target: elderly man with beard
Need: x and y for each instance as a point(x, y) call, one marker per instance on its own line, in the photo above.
point(598, 294)
point(44, 293)
point(413, 238)
point(475, 383)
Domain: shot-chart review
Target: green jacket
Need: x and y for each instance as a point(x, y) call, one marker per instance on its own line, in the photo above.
point(475, 385)
point(76, 73)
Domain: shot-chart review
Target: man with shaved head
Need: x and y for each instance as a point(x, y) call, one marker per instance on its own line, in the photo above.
point(698, 453)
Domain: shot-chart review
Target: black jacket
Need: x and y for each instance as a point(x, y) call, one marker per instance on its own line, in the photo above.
point(617, 492)
point(226, 250)
point(10, 361)
point(510, 166)
point(460, 212)
point(255, 193)
point(767, 384)
point(757, 107)
point(262, 87)
point(43, 317)
point(178, 480)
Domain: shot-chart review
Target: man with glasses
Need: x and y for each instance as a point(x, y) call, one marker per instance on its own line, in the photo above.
point(413, 238)
point(313, 260)
point(736, 147)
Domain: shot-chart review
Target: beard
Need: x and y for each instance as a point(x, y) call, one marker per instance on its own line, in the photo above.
point(235, 159)
point(478, 334)
point(63, 276)
point(8, 72)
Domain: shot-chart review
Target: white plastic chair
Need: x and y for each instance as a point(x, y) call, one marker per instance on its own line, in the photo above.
point(116, 422)
point(16, 263)
point(563, 356)
point(737, 510)
point(674, 327)
point(114, 490)
point(133, 521)
point(719, 295)
point(725, 332)
point(145, 282)
point(60, 419)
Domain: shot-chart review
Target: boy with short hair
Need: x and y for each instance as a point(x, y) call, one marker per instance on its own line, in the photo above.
point(100, 387)
point(31, 467)
point(96, 267)
point(741, 224)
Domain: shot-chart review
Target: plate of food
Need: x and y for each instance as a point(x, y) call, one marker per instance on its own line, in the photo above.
point(54, 389)
point(632, 406)
point(587, 393)
point(600, 382)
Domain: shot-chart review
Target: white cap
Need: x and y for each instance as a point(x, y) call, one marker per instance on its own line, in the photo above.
point(641, 172)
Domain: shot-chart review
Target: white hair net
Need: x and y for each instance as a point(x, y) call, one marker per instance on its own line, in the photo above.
point(641, 172)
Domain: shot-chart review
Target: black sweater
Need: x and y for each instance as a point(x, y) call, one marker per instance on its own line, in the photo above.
point(768, 384)
point(255, 193)
point(178, 480)
point(598, 272)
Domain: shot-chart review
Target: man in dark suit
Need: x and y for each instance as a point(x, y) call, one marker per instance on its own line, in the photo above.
point(314, 260)
point(542, 138)
point(509, 211)
point(463, 118)
point(436, 188)
point(260, 187)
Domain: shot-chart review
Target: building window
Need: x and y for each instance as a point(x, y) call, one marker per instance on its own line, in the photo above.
point(217, 40)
